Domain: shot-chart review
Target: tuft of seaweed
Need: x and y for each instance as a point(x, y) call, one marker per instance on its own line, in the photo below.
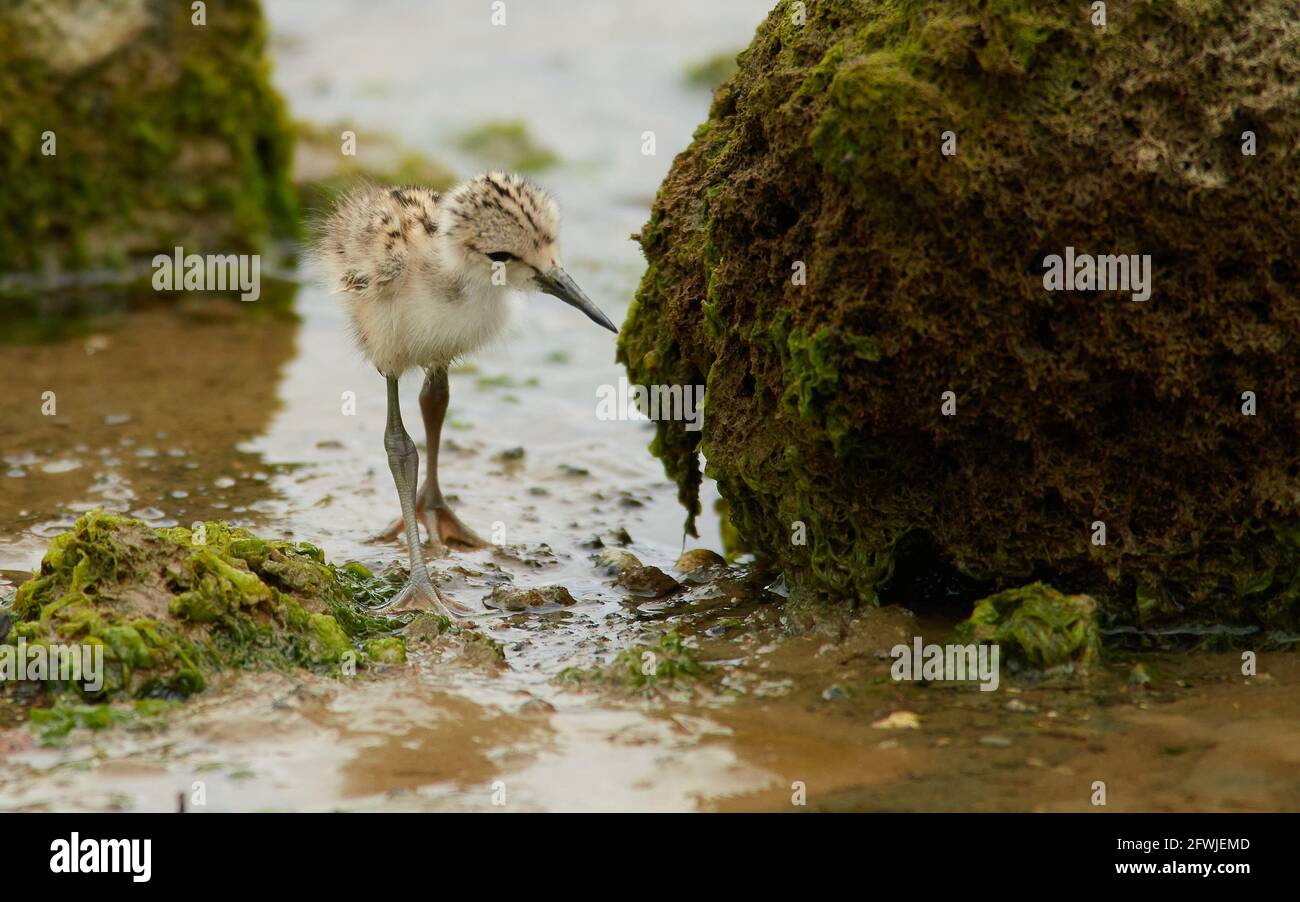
point(1037, 627)
point(53, 724)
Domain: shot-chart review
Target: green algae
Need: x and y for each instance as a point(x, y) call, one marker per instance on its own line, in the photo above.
point(507, 144)
point(1037, 626)
point(389, 650)
point(828, 273)
point(668, 663)
point(170, 607)
point(53, 724)
point(175, 137)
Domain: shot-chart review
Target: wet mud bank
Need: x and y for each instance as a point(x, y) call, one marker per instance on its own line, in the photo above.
point(692, 686)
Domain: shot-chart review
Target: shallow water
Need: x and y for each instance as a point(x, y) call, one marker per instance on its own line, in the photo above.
point(201, 409)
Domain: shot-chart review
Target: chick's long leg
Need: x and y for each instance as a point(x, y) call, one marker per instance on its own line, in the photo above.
point(433, 407)
point(404, 462)
point(430, 507)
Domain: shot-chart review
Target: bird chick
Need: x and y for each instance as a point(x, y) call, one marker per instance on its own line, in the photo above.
point(427, 279)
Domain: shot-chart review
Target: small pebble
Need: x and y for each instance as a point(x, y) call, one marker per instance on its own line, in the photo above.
point(899, 720)
point(615, 560)
point(536, 706)
point(699, 559)
point(514, 598)
point(647, 581)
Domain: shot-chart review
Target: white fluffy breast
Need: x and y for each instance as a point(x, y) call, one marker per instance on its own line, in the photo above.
point(414, 327)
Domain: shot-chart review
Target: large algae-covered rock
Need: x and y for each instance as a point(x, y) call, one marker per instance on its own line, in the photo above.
point(170, 606)
point(128, 127)
point(819, 261)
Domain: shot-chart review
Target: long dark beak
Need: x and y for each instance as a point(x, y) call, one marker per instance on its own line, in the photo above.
point(559, 283)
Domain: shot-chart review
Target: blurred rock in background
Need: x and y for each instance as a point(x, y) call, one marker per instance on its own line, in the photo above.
point(164, 132)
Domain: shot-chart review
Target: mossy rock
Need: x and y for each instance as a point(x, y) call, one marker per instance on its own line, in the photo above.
point(170, 607)
point(924, 274)
point(166, 133)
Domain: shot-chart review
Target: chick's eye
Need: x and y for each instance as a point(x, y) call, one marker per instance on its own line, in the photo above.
point(501, 257)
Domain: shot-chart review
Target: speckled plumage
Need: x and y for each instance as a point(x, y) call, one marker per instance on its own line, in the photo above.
point(415, 269)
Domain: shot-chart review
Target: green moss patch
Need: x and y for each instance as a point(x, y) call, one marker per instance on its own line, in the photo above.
point(388, 650)
point(643, 668)
point(1037, 626)
point(169, 607)
point(53, 724)
point(507, 144)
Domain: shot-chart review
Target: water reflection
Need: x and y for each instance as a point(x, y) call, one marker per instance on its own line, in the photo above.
point(144, 410)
